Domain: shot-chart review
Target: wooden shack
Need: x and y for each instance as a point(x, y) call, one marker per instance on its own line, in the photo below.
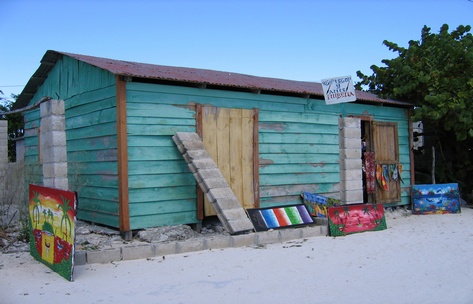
point(271, 138)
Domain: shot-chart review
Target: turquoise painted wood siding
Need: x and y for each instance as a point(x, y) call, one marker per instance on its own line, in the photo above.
point(298, 147)
point(161, 190)
point(298, 144)
point(91, 133)
point(33, 168)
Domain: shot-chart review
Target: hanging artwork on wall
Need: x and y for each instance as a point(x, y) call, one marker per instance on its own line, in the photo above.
point(435, 198)
point(348, 219)
point(52, 214)
point(280, 217)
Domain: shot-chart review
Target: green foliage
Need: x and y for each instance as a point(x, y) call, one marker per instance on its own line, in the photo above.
point(436, 74)
point(15, 124)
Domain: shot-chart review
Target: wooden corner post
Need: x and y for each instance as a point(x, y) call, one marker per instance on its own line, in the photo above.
point(122, 147)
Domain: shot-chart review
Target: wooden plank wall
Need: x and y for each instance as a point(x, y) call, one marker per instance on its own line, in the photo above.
point(89, 96)
point(298, 145)
point(161, 189)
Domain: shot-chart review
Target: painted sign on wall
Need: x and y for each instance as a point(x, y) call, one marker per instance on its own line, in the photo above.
point(52, 214)
point(338, 90)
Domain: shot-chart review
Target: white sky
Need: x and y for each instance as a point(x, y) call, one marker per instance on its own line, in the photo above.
point(306, 40)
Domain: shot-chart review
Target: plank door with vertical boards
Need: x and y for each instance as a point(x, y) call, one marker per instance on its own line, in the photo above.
point(228, 136)
point(386, 146)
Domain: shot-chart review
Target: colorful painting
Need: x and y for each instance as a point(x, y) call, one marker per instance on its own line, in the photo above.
point(318, 204)
point(349, 219)
point(280, 217)
point(52, 214)
point(435, 199)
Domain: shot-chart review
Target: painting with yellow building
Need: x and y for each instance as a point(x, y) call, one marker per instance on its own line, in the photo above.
point(52, 214)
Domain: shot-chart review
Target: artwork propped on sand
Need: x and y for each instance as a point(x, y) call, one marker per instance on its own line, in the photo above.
point(350, 219)
point(435, 199)
point(52, 214)
point(318, 204)
point(280, 217)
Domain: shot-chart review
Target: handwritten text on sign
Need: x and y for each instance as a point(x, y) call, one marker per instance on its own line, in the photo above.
point(338, 90)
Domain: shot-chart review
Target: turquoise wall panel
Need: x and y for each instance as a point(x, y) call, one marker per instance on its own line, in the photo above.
point(91, 134)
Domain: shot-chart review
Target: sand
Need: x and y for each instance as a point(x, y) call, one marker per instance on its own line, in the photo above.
point(418, 259)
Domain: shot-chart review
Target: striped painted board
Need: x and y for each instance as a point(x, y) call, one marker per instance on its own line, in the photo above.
point(280, 217)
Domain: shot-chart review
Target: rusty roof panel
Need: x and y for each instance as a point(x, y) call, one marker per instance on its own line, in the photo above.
point(191, 75)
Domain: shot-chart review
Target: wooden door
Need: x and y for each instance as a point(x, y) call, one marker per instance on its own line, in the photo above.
point(229, 137)
point(386, 147)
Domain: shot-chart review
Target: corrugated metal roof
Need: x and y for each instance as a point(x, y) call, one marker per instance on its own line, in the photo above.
point(188, 75)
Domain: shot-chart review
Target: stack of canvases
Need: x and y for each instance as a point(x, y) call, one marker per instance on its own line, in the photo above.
point(346, 219)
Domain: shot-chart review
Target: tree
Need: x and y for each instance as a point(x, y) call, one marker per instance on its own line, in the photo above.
point(15, 124)
point(436, 74)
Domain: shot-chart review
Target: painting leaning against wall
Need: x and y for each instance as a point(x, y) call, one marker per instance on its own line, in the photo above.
point(52, 214)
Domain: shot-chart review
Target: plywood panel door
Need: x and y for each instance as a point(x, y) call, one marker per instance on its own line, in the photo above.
point(386, 146)
point(229, 137)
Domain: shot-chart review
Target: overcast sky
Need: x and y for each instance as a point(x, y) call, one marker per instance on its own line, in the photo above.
point(306, 40)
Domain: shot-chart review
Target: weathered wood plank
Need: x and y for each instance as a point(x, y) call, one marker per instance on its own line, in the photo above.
point(330, 189)
point(308, 118)
point(105, 95)
point(162, 207)
point(291, 138)
point(97, 192)
point(297, 128)
point(151, 121)
point(168, 219)
point(91, 144)
point(102, 180)
point(280, 201)
point(247, 145)
point(157, 167)
point(300, 148)
point(104, 167)
point(161, 180)
point(158, 111)
point(92, 156)
point(110, 220)
point(151, 153)
point(92, 119)
point(169, 130)
point(158, 194)
point(235, 153)
point(150, 141)
point(300, 168)
point(303, 178)
point(272, 158)
point(105, 129)
point(91, 108)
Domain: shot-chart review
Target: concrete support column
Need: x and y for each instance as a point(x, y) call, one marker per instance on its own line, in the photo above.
point(3, 157)
point(351, 176)
point(53, 144)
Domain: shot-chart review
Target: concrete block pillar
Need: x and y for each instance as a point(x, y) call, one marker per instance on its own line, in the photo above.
point(351, 175)
point(53, 144)
point(3, 157)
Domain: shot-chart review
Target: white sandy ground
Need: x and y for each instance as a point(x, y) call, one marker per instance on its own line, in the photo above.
point(418, 259)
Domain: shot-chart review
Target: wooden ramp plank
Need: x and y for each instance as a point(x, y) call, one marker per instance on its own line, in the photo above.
point(213, 184)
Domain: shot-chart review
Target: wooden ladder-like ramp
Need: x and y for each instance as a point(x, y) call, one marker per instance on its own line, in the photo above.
point(213, 184)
